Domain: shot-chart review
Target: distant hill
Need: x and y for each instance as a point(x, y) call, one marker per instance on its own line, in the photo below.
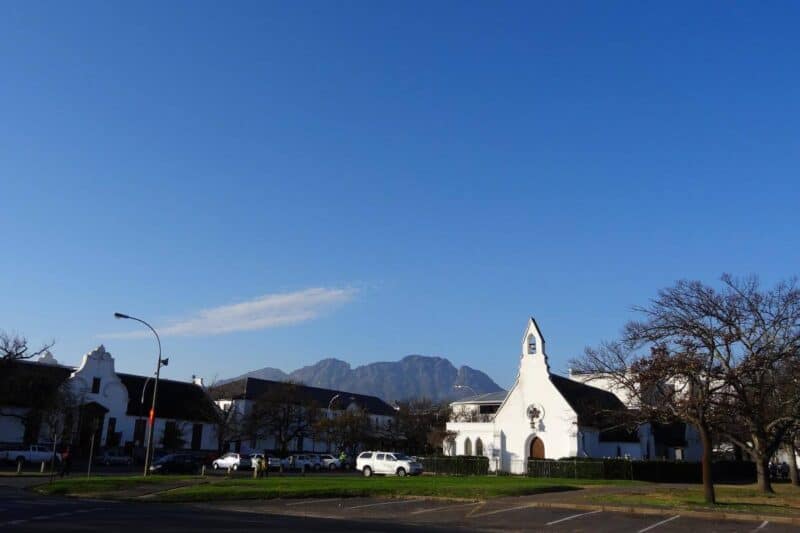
point(414, 376)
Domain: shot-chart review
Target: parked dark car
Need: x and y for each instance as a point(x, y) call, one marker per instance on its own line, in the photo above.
point(114, 457)
point(176, 463)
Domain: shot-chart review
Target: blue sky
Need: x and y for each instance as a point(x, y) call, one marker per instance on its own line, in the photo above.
point(274, 183)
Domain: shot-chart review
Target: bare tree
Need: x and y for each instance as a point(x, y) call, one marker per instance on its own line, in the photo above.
point(422, 423)
point(59, 416)
point(13, 378)
point(26, 393)
point(173, 435)
point(346, 430)
point(662, 386)
point(721, 359)
point(755, 336)
point(790, 448)
point(227, 421)
point(15, 347)
point(285, 413)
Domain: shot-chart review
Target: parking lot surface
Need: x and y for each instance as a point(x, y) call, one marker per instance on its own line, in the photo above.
point(21, 510)
point(502, 514)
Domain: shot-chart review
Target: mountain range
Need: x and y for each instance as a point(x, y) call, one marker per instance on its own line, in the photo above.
point(414, 376)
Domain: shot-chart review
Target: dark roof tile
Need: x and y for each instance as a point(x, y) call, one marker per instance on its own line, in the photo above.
point(252, 388)
point(175, 399)
point(595, 407)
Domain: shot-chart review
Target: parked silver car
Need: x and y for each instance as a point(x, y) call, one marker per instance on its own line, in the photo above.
point(329, 462)
point(232, 460)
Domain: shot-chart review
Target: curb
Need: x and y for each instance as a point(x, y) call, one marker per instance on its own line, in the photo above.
point(154, 493)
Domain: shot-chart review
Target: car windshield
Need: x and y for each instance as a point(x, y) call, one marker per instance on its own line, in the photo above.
point(165, 459)
point(402, 457)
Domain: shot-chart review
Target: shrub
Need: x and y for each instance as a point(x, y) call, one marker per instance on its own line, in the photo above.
point(655, 471)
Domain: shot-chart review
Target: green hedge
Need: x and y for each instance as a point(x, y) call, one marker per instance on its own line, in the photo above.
point(456, 466)
point(655, 471)
point(567, 469)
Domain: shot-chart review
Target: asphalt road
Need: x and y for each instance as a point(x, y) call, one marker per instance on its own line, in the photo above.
point(21, 510)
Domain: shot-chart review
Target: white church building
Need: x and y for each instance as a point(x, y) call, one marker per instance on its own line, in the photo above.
point(547, 416)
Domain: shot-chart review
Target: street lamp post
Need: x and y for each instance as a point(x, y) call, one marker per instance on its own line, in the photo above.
point(152, 419)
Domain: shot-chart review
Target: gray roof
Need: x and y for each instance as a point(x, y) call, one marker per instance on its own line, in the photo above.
point(489, 397)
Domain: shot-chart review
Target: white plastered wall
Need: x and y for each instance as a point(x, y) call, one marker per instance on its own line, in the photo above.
point(557, 425)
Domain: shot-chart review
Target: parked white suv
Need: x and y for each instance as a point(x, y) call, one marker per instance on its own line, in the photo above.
point(391, 463)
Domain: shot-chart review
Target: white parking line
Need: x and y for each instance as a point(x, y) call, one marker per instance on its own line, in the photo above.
point(421, 511)
point(572, 517)
point(670, 519)
point(762, 526)
point(498, 511)
point(381, 503)
point(304, 502)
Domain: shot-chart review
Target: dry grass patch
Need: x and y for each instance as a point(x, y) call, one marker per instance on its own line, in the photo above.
point(730, 498)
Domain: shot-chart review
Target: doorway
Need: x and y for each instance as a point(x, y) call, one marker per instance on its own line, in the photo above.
point(537, 449)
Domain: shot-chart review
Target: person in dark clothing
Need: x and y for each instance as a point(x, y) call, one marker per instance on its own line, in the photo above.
point(66, 462)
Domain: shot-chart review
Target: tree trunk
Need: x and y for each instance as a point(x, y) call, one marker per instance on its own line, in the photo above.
point(792, 450)
point(737, 454)
point(762, 472)
point(708, 480)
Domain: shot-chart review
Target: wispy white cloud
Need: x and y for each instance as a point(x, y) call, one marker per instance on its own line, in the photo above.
point(267, 311)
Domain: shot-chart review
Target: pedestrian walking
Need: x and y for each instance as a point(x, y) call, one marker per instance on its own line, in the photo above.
point(66, 462)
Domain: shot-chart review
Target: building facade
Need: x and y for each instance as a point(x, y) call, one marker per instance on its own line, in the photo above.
point(112, 408)
point(547, 416)
point(238, 398)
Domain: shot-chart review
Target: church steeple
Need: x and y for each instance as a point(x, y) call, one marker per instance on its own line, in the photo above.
point(533, 343)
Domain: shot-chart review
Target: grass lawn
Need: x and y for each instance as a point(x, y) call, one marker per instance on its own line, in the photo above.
point(110, 486)
point(730, 498)
point(215, 489)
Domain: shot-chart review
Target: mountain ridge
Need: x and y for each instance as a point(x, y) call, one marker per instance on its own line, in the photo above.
point(413, 376)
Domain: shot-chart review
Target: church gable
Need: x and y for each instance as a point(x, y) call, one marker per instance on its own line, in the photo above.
point(534, 397)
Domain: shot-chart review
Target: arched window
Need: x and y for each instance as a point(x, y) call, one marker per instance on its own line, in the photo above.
point(531, 344)
point(467, 447)
point(478, 447)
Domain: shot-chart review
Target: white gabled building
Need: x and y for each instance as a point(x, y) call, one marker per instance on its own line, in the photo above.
point(240, 395)
point(110, 409)
point(547, 416)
